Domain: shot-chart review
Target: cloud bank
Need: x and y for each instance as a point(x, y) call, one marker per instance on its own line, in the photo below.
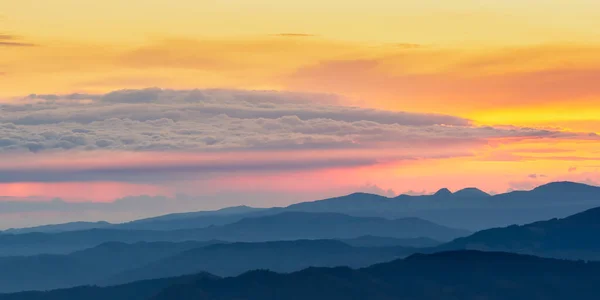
point(203, 120)
point(169, 138)
point(227, 147)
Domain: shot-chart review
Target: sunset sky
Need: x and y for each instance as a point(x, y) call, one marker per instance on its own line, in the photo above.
point(269, 102)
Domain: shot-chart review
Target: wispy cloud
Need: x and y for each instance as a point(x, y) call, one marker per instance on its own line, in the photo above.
point(289, 34)
point(161, 167)
point(8, 40)
point(408, 45)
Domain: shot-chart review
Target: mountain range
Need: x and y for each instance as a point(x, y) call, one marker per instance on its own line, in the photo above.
point(377, 241)
point(470, 208)
point(466, 275)
point(174, 221)
point(141, 290)
point(282, 226)
point(279, 256)
point(261, 253)
point(45, 271)
point(115, 263)
point(573, 237)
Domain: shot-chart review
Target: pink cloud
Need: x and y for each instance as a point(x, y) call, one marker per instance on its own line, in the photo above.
point(168, 166)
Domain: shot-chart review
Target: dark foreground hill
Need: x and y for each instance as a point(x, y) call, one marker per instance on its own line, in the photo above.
point(465, 275)
point(141, 290)
point(284, 226)
point(574, 237)
point(453, 275)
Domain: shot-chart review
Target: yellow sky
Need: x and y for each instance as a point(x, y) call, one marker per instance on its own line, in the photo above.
point(492, 61)
point(417, 21)
point(533, 63)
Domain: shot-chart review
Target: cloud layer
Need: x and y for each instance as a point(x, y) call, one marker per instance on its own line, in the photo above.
point(227, 147)
point(161, 136)
point(203, 120)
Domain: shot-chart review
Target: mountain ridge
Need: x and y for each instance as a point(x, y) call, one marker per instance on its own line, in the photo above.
point(467, 275)
point(233, 259)
point(470, 208)
point(567, 238)
point(283, 226)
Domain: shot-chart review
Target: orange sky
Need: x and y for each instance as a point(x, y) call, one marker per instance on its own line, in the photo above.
point(513, 63)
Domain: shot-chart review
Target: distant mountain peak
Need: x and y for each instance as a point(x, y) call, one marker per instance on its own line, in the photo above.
point(562, 186)
point(471, 193)
point(242, 208)
point(443, 192)
point(356, 194)
point(364, 194)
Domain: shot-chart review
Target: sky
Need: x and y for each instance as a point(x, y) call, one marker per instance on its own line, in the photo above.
point(268, 102)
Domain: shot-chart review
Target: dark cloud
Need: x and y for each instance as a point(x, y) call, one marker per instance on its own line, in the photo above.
point(133, 96)
point(7, 40)
point(293, 35)
point(172, 171)
point(156, 119)
point(16, 44)
point(536, 176)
